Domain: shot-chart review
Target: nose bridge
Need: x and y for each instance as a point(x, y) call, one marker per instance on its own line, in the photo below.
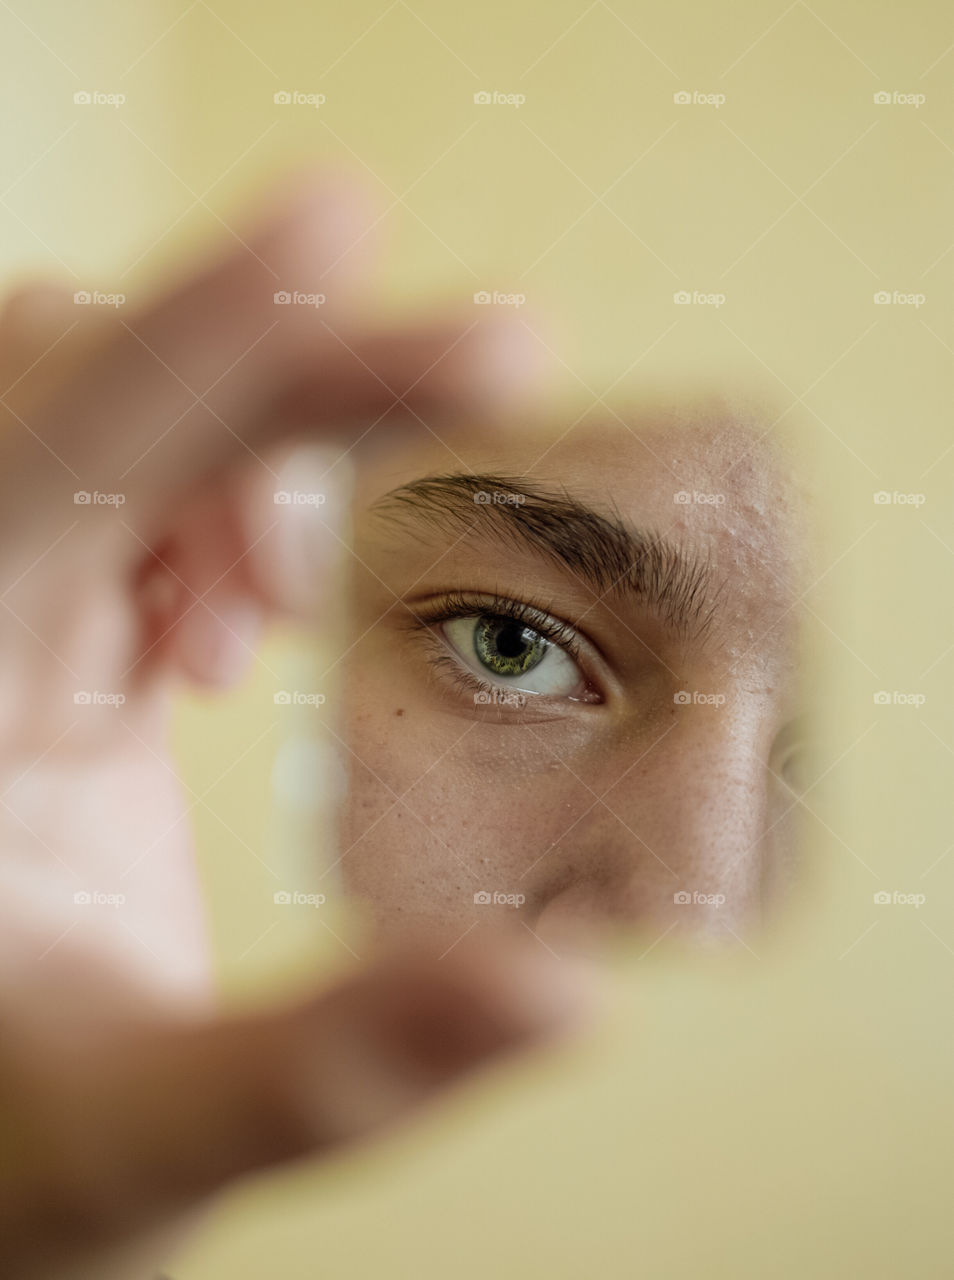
point(680, 836)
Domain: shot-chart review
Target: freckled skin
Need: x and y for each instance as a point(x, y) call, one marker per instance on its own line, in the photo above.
point(599, 813)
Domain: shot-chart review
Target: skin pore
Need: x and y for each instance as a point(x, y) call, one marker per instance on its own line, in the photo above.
point(571, 679)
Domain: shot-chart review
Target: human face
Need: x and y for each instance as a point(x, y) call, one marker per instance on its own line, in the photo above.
point(571, 681)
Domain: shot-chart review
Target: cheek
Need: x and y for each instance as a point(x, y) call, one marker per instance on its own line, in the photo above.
point(474, 814)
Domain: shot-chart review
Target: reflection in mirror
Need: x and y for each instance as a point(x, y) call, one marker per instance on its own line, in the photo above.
point(571, 680)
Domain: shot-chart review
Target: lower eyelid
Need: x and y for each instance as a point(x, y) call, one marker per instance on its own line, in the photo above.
point(505, 699)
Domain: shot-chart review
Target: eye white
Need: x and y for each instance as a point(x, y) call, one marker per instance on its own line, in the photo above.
point(555, 675)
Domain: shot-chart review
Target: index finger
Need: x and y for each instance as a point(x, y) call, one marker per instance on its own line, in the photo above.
point(223, 365)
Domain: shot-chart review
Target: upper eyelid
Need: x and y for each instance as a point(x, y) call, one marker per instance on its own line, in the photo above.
point(463, 604)
point(563, 643)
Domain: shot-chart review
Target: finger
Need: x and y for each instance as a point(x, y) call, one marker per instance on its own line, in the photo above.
point(35, 319)
point(265, 542)
point(142, 1133)
point(293, 515)
point(199, 612)
point(216, 370)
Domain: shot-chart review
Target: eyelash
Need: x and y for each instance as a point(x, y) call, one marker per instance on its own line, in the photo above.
point(457, 604)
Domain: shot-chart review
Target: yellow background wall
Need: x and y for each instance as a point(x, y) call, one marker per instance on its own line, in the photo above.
point(785, 1113)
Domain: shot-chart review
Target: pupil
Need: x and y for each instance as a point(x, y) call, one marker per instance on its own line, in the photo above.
point(507, 647)
point(511, 640)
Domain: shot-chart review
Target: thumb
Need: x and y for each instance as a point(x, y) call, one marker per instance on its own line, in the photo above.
point(142, 1129)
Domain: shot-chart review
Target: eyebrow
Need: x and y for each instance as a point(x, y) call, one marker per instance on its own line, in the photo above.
point(612, 557)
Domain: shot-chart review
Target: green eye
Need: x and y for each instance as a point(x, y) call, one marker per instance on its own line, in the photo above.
point(509, 653)
point(508, 647)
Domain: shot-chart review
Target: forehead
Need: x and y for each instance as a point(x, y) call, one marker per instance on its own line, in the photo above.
point(716, 484)
point(644, 456)
point(705, 478)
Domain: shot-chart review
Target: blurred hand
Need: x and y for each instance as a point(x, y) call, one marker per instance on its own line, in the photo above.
point(125, 1097)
